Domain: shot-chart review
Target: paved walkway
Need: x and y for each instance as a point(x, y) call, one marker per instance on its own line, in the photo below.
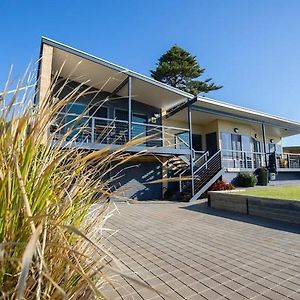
point(189, 251)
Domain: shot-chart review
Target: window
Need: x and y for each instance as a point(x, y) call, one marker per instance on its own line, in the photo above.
point(271, 147)
point(236, 141)
point(246, 143)
point(226, 141)
point(182, 140)
point(98, 111)
point(256, 145)
point(76, 108)
point(278, 148)
point(76, 124)
point(121, 114)
point(139, 118)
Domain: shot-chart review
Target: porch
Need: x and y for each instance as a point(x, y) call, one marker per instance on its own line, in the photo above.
point(234, 160)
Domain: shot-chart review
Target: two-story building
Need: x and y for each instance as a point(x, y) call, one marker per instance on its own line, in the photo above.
point(197, 137)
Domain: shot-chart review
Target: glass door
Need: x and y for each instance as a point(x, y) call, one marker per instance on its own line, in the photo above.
point(236, 146)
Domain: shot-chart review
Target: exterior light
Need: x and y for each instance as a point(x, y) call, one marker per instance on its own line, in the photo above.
point(236, 130)
point(152, 120)
point(271, 141)
point(255, 136)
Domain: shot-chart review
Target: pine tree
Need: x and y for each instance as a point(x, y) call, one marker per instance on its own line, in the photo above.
point(180, 69)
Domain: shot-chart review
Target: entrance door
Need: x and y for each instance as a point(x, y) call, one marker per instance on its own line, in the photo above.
point(211, 143)
point(197, 142)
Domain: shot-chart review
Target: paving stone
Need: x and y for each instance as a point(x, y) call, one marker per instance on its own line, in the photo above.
point(198, 287)
point(211, 255)
point(186, 292)
point(235, 296)
point(248, 293)
point(210, 294)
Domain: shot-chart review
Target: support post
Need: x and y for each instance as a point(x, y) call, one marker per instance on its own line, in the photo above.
point(129, 107)
point(264, 143)
point(191, 147)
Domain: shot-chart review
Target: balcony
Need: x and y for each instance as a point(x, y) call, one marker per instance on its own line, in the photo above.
point(95, 132)
point(235, 159)
point(288, 162)
point(238, 160)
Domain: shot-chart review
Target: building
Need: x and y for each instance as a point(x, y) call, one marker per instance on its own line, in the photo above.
point(197, 137)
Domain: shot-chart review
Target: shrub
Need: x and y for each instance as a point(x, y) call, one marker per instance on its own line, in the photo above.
point(246, 179)
point(262, 176)
point(169, 194)
point(54, 203)
point(220, 185)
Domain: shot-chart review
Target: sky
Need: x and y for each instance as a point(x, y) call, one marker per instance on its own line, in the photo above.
point(251, 47)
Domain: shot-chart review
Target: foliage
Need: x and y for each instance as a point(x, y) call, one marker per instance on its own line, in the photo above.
point(220, 185)
point(262, 176)
point(180, 69)
point(168, 194)
point(54, 203)
point(246, 179)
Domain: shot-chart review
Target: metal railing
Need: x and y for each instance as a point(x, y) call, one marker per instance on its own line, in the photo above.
point(288, 161)
point(242, 159)
point(207, 171)
point(89, 129)
point(200, 161)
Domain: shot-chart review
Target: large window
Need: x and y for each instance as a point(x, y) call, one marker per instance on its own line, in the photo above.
point(237, 150)
point(226, 141)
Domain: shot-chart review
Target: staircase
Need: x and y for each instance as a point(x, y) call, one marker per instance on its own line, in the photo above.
point(207, 174)
point(207, 170)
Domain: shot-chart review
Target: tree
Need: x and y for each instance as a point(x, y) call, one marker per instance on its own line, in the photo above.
point(180, 69)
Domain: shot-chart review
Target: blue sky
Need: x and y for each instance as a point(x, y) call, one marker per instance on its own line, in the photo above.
point(251, 47)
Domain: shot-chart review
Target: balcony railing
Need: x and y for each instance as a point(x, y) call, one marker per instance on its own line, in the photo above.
point(96, 130)
point(236, 159)
point(288, 161)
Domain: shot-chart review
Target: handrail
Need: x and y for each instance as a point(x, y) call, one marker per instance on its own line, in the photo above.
point(92, 117)
point(183, 141)
point(124, 121)
point(160, 126)
point(241, 151)
point(288, 153)
point(205, 155)
point(210, 159)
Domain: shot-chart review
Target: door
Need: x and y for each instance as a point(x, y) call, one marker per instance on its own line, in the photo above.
point(211, 143)
point(197, 142)
point(236, 147)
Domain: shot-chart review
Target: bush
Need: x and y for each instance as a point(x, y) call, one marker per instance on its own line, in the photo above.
point(262, 176)
point(169, 193)
point(54, 204)
point(220, 185)
point(246, 179)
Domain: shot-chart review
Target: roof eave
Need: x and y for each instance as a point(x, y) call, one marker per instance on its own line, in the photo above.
point(113, 66)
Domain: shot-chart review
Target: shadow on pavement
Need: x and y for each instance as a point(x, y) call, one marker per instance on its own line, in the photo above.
point(202, 207)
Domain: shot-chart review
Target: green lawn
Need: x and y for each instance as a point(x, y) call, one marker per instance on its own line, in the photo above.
point(279, 192)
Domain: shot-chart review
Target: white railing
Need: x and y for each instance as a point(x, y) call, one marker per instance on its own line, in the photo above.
point(288, 161)
point(98, 130)
point(235, 159)
point(199, 162)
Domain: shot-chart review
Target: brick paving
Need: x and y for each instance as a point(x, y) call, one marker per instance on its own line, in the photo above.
point(189, 251)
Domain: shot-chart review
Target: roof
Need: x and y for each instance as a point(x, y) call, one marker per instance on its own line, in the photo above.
point(247, 113)
point(154, 92)
point(149, 90)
